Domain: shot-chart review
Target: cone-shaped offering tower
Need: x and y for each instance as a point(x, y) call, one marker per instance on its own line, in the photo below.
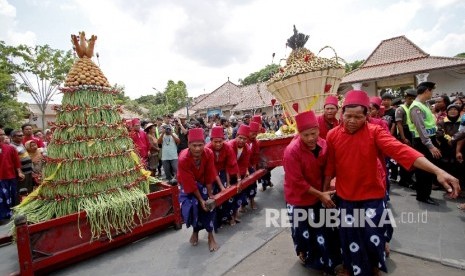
point(91, 164)
point(306, 79)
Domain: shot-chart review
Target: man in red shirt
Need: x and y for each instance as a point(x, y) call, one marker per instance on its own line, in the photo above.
point(254, 148)
point(242, 153)
point(304, 162)
point(353, 158)
point(327, 120)
point(255, 155)
point(140, 139)
point(226, 166)
point(28, 135)
point(196, 174)
point(225, 160)
point(10, 168)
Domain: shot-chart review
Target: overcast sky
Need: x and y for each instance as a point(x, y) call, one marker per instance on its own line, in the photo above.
point(144, 43)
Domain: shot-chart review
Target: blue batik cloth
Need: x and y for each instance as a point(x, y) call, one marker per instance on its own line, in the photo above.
point(363, 246)
point(320, 245)
point(251, 191)
point(193, 214)
point(8, 197)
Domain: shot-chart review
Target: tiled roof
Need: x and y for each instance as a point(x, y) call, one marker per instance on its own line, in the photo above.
point(199, 98)
point(254, 96)
point(398, 56)
point(227, 94)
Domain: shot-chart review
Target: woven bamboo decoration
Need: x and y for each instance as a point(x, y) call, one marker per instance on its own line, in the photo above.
point(306, 79)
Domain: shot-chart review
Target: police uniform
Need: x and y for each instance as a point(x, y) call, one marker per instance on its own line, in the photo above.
point(422, 125)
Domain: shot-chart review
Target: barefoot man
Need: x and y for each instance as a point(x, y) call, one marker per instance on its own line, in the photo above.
point(196, 173)
point(304, 162)
point(226, 167)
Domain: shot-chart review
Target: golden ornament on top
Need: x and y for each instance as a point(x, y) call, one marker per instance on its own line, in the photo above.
point(84, 70)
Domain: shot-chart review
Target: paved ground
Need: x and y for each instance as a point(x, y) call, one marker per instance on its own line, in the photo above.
point(434, 234)
point(277, 258)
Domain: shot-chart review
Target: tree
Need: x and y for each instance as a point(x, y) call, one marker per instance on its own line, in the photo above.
point(12, 112)
point(461, 55)
point(260, 76)
point(171, 99)
point(353, 65)
point(148, 100)
point(41, 69)
point(120, 98)
point(176, 95)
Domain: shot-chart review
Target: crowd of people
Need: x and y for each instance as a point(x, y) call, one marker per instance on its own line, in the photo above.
point(346, 158)
point(349, 164)
point(346, 163)
point(22, 156)
point(160, 141)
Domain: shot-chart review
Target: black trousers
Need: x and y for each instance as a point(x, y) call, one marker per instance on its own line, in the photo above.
point(424, 179)
point(406, 176)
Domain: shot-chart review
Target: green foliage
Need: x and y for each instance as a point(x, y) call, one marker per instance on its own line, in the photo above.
point(149, 100)
point(176, 95)
point(461, 55)
point(134, 107)
point(120, 98)
point(41, 70)
point(353, 65)
point(260, 76)
point(12, 112)
point(171, 99)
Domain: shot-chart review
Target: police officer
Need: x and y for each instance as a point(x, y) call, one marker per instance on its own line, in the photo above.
point(422, 124)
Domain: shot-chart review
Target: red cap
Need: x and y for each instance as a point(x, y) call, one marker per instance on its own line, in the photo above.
point(217, 132)
point(195, 135)
point(135, 121)
point(376, 100)
point(257, 119)
point(331, 100)
point(357, 97)
point(254, 127)
point(306, 120)
point(243, 130)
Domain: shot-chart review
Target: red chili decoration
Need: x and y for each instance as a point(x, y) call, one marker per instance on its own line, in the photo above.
point(295, 106)
point(273, 102)
point(327, 87)
point(307, 57)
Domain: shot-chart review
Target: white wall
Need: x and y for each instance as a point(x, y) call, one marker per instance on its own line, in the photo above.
point(448, 82)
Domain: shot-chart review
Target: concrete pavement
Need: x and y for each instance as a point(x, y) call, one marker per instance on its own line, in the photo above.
point(431, 232)
point(277, 257)
point(434, 234)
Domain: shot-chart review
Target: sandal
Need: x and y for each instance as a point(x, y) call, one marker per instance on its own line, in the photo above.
point(461, 206)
